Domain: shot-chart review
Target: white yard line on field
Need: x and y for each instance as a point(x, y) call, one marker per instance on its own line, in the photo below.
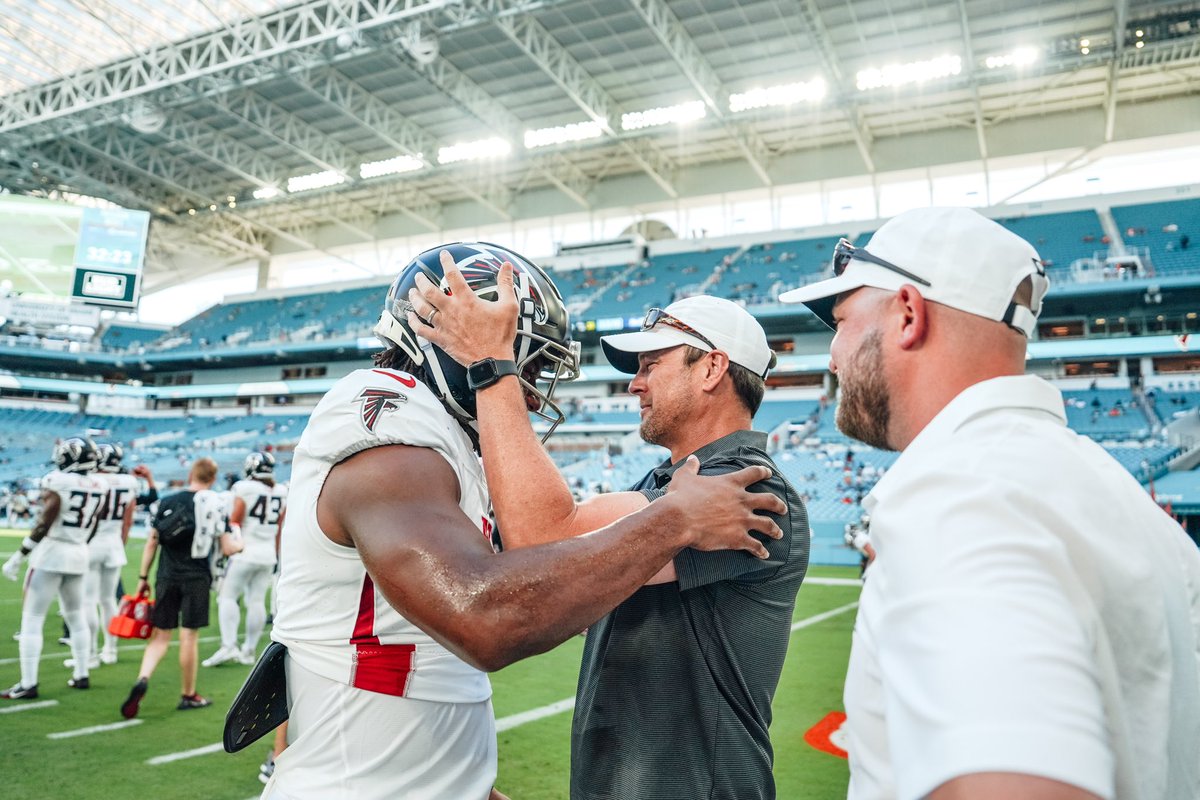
point(114, 726)
point(28, 706)
point(813, 620)
point(834, 581)
point(513, 720)
point(199, 751)
point(123, 648)
point(516, 720)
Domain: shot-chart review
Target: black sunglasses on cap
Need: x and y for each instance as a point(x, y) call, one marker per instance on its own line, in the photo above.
point(844, 253)
point(656, 316)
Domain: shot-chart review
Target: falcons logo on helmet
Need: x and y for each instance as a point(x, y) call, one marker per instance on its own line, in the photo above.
point(375, 402)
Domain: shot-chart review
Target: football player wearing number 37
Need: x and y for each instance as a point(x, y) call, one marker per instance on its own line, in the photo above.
point(58, 555)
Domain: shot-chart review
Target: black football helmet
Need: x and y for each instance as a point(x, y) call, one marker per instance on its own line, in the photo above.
point(109, 457)
point(75, 455)
point(260, 464)
point(543, 348)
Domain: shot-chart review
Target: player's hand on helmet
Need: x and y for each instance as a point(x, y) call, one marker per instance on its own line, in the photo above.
point(467, 327)
point(12, 567)
point(721, 512)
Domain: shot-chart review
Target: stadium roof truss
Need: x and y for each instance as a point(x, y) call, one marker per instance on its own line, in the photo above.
point(205, 114)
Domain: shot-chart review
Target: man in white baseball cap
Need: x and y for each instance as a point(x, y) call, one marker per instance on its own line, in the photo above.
point(704, 322)
point(1031, 622)
point(955, 256)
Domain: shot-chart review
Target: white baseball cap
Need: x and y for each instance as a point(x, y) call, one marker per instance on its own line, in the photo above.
point(704, 322)
point(954, 256)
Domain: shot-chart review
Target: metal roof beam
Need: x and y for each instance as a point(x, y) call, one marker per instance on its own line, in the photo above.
point(969, 52)
point(395, 129)
point(244, 42)
point(825, 49)
point(553, 59)
point(666, 26)
point(448, 80)
point(159, 167)
point(1110, 86)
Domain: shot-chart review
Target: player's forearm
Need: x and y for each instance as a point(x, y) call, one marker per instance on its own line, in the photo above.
point(533, 503)
point(499, 609)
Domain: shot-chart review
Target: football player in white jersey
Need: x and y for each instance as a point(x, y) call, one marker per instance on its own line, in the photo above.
point(71, 502)
point(393, 603)
point(258, 504)
point(107, 550)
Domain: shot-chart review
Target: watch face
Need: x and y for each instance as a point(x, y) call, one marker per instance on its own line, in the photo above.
point(481, 373)
point(482, 370)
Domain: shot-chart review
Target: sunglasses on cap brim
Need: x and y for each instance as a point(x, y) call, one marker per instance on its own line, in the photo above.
point(656, 316)
point(844, 253)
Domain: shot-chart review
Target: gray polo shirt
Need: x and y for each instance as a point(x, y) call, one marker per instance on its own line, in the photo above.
point(674, 698)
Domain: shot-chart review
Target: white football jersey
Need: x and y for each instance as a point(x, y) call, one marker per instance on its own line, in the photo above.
point(212, 520)
point(106, 548)
point(331, 617)
point(123, 489)
point(264, 505)
point(65, 549)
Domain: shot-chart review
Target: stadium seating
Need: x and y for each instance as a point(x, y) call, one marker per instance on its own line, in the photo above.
point(167, 444)
point(1106, 414)
point(656, 282)
point(127, 337)
point(1060, 239)
point(1162, 227)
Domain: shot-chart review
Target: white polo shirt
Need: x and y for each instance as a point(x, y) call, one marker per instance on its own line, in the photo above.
point(1030, 610)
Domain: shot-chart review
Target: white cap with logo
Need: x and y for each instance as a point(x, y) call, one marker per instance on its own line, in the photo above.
point(959, 258)
point(704, 322)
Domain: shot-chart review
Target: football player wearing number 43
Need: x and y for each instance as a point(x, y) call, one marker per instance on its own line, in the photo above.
point(258, 506)
point(71, 500)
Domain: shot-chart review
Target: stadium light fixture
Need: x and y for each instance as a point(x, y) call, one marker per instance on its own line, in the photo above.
point(473, 151)
point(1022, 56)
point(390, 166)
point(315, 180)
point(912, 72)
point(664, 115)
point(784, 94)
point(561, 134)
point(266, 192)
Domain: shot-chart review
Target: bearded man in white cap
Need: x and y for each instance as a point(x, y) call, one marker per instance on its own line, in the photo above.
point(1031, 627)
point(675, 689)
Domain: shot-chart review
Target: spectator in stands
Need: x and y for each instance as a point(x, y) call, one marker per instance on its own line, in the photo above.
point(183, 580)
point(675, 689)
point(392, 601)
point(1071, 671)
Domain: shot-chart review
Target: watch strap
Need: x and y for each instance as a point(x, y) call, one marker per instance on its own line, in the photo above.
point(483, 374)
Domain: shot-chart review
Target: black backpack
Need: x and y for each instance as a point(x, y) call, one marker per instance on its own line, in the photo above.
point(176, 519)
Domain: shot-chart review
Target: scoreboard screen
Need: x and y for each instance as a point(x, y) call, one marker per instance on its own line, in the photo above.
point(56, 250)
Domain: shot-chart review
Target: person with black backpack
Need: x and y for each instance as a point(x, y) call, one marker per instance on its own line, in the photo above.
point(186, 528)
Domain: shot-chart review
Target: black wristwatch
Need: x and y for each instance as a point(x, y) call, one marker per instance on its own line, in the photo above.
point(483, 374)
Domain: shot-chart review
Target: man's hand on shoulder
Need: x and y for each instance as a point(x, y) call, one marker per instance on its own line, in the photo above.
point(720, 512)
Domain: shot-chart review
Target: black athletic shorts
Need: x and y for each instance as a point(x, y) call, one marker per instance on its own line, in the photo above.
point(187, 596)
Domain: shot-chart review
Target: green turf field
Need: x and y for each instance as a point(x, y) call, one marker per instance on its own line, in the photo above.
point(533, 755)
